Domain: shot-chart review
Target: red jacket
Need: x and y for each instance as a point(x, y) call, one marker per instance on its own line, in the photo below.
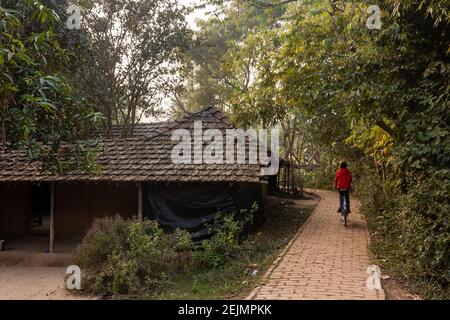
point(343, 179)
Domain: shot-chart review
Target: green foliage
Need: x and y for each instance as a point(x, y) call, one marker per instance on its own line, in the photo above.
point(411, 232)
point(216, 72)
point(121, 257)
point(425, 221)
point(129, 257)
point(183, 241)
point(321, 178)
point(225, 242)
point(38, 110)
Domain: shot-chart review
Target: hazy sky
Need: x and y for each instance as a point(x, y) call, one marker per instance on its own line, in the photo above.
point(198, 14)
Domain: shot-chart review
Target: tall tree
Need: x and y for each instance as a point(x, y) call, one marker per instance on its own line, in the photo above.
point(207, 77)
point(130, 54)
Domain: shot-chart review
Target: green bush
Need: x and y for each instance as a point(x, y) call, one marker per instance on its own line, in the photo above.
point(322, 177)
point(412, 232)
point(225, 242)
point(127, 257)
point(424, 221)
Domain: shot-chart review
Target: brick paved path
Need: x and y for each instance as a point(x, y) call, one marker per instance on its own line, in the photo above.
point(324, 261)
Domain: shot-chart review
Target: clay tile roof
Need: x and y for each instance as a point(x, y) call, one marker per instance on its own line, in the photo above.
point(140, 130)
point(143, 158)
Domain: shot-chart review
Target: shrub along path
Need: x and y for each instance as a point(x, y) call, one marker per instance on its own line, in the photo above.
point(325, 260)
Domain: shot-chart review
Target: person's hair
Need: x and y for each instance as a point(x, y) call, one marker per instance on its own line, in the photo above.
point(343, 165)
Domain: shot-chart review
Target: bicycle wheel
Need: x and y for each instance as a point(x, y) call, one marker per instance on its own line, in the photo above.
point(344, 211)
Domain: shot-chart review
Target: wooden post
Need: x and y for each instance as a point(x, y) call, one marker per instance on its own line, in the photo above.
point(52, 217)
point(288, 178)
point(279, 177)
point(140, 200)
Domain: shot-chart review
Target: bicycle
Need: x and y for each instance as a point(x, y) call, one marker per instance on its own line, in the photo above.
point(345, 209)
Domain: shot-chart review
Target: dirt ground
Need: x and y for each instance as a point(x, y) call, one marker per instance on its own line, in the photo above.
point(395, 291)
point(34, 283)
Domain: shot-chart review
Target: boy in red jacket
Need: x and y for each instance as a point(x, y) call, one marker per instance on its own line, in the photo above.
point(343, 183)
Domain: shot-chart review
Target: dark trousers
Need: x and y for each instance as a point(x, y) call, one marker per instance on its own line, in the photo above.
point(342, 194)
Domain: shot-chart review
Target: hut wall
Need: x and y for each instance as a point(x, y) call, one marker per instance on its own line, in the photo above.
point(14, 210)
point(78, 204)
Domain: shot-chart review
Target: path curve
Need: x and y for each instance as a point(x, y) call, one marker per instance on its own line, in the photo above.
point(325, 260)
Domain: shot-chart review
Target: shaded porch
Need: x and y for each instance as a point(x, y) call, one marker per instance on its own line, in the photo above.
point(54, 216)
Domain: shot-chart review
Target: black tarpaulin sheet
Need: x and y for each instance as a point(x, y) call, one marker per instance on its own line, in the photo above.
point(187, 206)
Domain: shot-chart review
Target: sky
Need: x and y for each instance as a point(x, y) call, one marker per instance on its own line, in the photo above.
point(197, 14)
